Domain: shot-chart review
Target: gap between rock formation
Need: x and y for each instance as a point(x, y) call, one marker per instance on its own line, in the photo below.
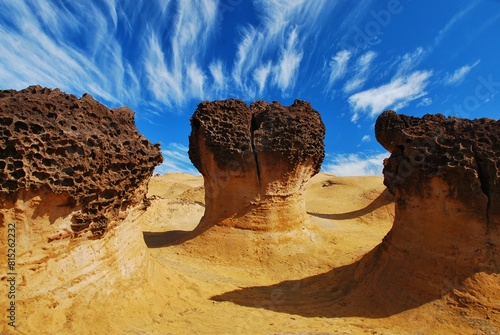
point(253, 127)
point(484, 182)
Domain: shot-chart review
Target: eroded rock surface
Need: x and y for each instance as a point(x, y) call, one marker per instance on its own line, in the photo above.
point(445, 174)
point(463, 153)
point(77, 148)
point(256, 161)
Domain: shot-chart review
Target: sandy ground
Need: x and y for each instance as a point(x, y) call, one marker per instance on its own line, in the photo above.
point(229, 281)
point(244, 282)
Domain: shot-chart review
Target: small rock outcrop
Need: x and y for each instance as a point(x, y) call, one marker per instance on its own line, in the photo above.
point(77, 147)
point(256, 161)
point(445, 175)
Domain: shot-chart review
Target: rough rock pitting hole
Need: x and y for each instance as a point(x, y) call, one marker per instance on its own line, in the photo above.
point(256, 161)
point(445, 175)
point(77, 147)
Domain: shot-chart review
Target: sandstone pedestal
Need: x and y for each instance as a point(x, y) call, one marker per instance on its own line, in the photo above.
point(445, 175)
point(256, 162)
point(73, 181)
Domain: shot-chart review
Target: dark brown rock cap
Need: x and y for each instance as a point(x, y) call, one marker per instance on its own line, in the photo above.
point(296, 132)
point(237, 134)
point(465, 153)
point(226, 130)
point(95, 154)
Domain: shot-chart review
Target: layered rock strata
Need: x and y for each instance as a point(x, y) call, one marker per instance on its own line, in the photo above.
point(79, 149)
point(256, 161)
point(445, 175)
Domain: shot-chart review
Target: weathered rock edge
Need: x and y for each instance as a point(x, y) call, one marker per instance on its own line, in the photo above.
point(77, 147)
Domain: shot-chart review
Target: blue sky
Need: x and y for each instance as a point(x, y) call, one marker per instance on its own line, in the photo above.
point(350, 59)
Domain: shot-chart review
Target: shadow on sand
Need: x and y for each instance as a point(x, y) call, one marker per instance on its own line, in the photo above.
point(383, 199)
point(165, 239)
point(366, 288)
point(375, 286)
point(176, 237)
point(354, 290)
point(173, 237)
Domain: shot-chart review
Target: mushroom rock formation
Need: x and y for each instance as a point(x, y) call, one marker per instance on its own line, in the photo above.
point(78, 149)
point(256, 162)
point(73, 177)
point(445, 175)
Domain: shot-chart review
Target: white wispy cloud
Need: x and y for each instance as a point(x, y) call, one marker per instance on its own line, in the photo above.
point(285, 71)
point(165, 84)
point(154, 53)
point(355, 164)
point(361, 72)
point(78, 48)
point(246, 55)
point(176, 160)
point(170, 77)
point(218, 77)
point(196, 82)
point(366, 138)
point(459, 75)
point(338, 67)
point(261, 75)
point(278, 40)
point(425, 102)
point(409, 61)
point(26, 32)
point(396, 94)
point(277, 15)
point(37, 43)
point(365, 60)
point(451, 23)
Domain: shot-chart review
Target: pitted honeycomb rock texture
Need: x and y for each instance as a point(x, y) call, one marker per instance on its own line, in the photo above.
point(295, 132)
point(465, 153)
point(226, 130)
point(254, 156)
point(234, 132)
point(74, 146)
point(444, 173)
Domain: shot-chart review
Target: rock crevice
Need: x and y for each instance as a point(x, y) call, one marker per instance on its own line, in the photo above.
point(254, 126)
point(484, 180)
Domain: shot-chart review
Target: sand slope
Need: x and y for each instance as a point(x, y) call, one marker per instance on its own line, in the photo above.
point(229, 281)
